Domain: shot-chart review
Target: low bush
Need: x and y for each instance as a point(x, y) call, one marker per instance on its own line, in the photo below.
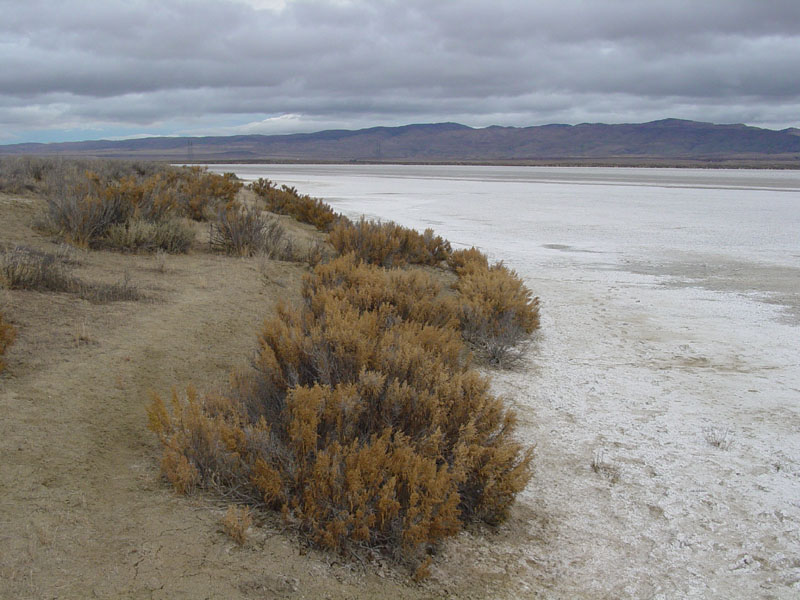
point(20, 174)
point(247, 232)
point(154, 198)
point(201, 194)
point(469, 259)
point(497, 311)
point(52, 175)
point(363, 423)
point(318, 252)
point(124, 205)
point(389, 244)
point(412, 295)
point(7, 336)
point(137, 235)
point(83, 212)
point(102, 293)
point(286, 201)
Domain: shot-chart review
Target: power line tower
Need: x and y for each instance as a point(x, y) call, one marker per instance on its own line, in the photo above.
point(189, 151)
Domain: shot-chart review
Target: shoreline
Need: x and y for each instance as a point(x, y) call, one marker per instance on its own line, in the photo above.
point(566, 163)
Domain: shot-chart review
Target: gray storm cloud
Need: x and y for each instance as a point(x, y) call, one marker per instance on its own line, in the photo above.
point(228, 66)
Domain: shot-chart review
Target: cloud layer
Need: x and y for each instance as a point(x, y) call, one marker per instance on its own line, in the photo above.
point(77, 70)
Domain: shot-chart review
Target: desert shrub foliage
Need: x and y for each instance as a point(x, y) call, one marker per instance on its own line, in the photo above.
point(285, 200)
point(23, 268)
point(128, 205)
point(388, 244)
point(362, 422)
point(497, 312)
point(246, 232)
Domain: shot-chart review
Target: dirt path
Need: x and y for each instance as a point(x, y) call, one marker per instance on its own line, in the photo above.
point(82, 468)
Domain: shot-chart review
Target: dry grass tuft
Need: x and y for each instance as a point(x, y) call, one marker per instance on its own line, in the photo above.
point(102, 293)
point(236, 522)
point(718, 437)
point(604, 468)
point(23, 268)
point(160, 257)
point(136, 235)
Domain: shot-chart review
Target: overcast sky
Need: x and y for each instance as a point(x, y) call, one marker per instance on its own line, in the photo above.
point(74, 70)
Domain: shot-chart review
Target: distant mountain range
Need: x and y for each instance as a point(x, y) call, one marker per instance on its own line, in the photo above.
point(658, 142)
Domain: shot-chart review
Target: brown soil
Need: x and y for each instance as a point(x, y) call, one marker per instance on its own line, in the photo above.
point(83, 509)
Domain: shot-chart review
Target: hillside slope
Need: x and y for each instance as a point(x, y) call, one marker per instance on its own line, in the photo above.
point(669, 139)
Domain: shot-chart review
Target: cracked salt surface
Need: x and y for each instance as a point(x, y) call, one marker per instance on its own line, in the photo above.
point(663, 390)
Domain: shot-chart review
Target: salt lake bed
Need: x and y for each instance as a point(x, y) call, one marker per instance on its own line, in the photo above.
point(663, 390)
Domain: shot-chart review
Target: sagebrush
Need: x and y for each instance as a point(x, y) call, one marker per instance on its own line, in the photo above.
point(247, 232)
point(129, 206)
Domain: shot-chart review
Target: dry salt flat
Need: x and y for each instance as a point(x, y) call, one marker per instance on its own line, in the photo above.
point(663, 391)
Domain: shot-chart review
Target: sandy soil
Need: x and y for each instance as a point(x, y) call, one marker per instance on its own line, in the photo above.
point(668, 448)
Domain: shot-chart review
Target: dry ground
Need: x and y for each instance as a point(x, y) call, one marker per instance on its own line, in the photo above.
point(83, 510)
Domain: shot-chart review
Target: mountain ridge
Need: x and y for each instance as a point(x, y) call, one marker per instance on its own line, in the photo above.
point(665, 139)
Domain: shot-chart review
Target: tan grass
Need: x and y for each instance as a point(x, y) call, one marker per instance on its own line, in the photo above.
point(236, 522)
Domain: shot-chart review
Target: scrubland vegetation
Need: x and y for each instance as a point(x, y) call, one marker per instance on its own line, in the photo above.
point(497, 311)
point(363, 421)
point(247, 232)
point(127, 206)
point(389, 244)
point(285, 200)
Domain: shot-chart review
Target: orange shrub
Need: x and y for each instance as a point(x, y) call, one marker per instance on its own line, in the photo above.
point(7, 336)
point(497, 310)
point(413, 295)
point(202, 193)
point(388, 244)
point(363, 423)
point(286, 201)
point(154, 198)
point(467, 259)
